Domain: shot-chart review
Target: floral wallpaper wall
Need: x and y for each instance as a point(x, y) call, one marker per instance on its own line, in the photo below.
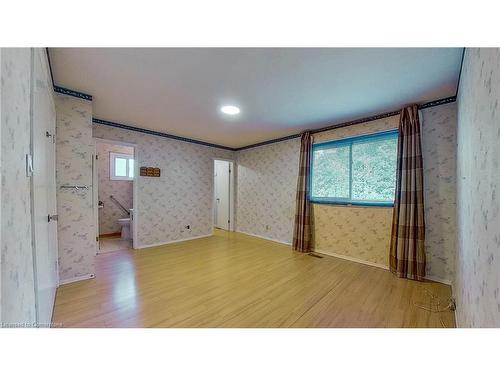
point(477, 285)
point(74, 152)
point(267, 182)
point(439, 140)
point(17, 283)
point(182, 196)
point(121, 190)
point(357, 232)
point(267, 178)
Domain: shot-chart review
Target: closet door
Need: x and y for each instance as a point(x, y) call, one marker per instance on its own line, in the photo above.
point(44, 188)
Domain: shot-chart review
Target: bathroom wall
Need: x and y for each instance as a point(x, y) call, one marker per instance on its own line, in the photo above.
point(17, 273)
point(74, 152)
point(183, 195)
point(121, 190)
point(477, 285)
point(267, 178)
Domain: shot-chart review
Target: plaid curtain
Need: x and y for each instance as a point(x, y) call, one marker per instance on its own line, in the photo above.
point(302, 230)
point(407, 254)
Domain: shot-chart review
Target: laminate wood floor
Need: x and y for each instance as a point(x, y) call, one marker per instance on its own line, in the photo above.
point(235, 280)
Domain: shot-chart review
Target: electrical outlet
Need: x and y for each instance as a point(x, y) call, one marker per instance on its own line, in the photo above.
point(453, 304)
point(188, 227)
point(267, 227)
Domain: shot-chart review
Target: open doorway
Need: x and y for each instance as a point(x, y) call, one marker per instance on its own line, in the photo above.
point(114, 174)
point(223, 194)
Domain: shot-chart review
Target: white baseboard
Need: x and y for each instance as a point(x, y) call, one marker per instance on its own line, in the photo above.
point(77, 278)
point(174, 241)
point(438, 280)
point(383, 266)
point(345, 257)
point(264, 238)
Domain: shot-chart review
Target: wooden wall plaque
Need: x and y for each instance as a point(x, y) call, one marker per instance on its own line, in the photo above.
point(149, 172)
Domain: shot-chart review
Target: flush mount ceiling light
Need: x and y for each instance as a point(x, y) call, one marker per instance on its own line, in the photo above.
point(230, 110)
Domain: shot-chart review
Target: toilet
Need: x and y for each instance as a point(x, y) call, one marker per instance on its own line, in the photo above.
point(126, 226)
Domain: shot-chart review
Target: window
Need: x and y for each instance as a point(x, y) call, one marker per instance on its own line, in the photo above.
point(121, 166)
point(358, 171)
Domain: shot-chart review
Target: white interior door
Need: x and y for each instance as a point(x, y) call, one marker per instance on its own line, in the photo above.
point(222, 185)
point(44, 190)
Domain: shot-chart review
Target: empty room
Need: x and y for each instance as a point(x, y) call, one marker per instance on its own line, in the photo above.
point(230, 206)
point(260, 191)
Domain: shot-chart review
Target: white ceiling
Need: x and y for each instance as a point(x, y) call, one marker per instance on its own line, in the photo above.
point(280, 91)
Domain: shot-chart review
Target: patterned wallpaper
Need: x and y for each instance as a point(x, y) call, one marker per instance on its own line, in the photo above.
point(183, 195)
point(439, 139)
point(265, 191)
point(267, 178)
point(477, 285)
point(18, 289)
point(76, 225)
point(358, 232)
point(121, 190)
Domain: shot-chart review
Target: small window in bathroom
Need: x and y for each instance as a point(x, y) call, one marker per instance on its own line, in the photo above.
point(121, 166)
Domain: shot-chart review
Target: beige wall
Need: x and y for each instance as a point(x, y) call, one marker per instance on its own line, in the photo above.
point(265, 190)
point(356, 232)
point(477, 285)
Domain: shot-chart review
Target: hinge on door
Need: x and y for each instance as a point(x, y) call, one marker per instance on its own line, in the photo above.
point(96, 157)
point(96, 239)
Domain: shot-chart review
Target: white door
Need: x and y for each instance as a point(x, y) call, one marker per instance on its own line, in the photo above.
point(222, 185)
point(44, 189)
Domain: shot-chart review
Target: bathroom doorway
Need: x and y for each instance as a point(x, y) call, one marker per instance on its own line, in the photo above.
point(114, 175)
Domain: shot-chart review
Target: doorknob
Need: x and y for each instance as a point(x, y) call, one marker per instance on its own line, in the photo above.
point(52, 217)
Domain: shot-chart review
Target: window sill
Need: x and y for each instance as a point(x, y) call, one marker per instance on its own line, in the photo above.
point(121, 179)
point(354, 204)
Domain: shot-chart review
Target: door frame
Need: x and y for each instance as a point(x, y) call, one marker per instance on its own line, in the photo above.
point(135, 243)
point(232, 165)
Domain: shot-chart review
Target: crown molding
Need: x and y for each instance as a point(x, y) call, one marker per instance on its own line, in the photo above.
point(460, 73)
point(158, 134)
point(50, 65)
point(65, 91)
point(430, 104)
point(76, 94)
